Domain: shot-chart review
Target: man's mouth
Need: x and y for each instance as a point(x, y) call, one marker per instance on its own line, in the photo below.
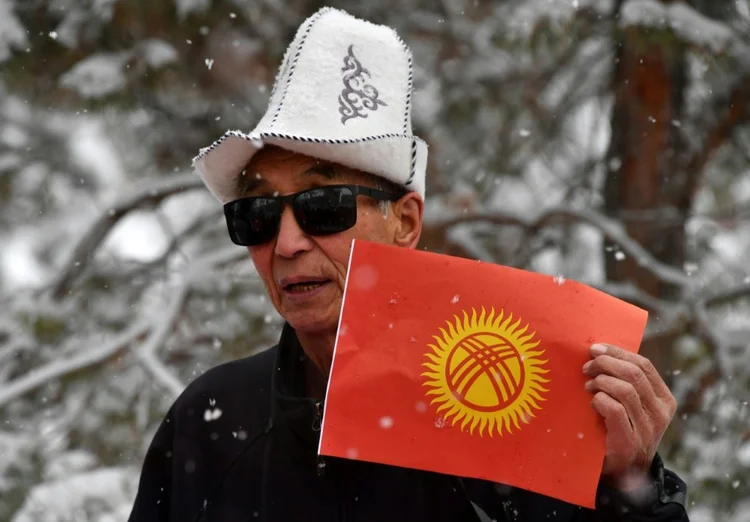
point(304, 286)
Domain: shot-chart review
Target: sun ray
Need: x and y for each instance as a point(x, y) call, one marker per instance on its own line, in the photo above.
point(482, 424)
point(485, 372)
point(434, 358)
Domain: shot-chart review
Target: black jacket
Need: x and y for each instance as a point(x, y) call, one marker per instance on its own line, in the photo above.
point(240, 444)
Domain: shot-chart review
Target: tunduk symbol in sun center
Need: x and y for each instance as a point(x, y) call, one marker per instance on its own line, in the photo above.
point(486, 372)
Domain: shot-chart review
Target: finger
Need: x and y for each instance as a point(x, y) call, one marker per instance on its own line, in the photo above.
point(619, 428)
point(657, 383)
point(624, 393)
point(628, 373)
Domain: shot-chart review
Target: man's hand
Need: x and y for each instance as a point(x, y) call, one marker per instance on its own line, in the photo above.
point(637, 407)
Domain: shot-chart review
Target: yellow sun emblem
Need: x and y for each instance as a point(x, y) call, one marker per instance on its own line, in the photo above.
point(486, 372)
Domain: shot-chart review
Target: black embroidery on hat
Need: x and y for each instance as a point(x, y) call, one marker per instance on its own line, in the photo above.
point(358, 96)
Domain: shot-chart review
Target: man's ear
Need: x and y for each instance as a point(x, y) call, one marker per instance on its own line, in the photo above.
point(408, 211)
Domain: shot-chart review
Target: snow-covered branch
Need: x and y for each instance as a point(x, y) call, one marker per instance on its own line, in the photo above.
point(162, 328)
point(728, 295)
point(56, 369)
point(150, 193)
point(611, 229)
point(732, 110)
point(216, 260)
point(159, 327)
point(632, 294)
point(161, 374)
point(679, 17)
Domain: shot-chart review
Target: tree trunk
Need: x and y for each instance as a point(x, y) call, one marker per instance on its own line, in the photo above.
point(645, 188)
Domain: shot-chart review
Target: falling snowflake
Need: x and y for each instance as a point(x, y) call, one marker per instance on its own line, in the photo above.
point(53, 35)
point(524, 133)
point(559, 279)
point(365, 277)
point(440, 422)
point(209, 63)
point(619, 255)
point(690, 268)
point(421, 407)
point(212, 413)
point(386, 422)
point(352, 453)
point(455, 299)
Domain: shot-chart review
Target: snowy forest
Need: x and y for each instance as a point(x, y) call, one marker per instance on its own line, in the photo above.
point(605, 141)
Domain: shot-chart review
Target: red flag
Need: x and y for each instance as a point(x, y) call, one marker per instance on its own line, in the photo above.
point(471, 369)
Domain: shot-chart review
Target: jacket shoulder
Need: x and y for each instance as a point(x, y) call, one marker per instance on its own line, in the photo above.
point(247, 372)
point(239, 387)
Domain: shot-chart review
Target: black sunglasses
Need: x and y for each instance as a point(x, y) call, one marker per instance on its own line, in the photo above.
point(319, 211)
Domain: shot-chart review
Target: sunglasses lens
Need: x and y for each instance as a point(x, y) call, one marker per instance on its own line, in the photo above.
point(252, 221)
point(326, 210)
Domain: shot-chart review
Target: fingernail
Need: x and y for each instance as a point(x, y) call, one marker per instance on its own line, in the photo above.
point(588, 385)
point(586, 366)
point(598, 349)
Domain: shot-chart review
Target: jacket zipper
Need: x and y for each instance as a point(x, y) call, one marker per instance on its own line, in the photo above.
point(317, 423)
point(321, 469)
point(343, 516)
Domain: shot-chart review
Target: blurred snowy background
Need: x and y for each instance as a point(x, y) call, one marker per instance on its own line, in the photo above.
point(602, 140)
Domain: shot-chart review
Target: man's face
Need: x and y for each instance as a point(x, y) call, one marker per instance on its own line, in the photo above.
point(304, 275)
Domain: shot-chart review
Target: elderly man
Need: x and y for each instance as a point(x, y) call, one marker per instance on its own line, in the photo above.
point(333, 160)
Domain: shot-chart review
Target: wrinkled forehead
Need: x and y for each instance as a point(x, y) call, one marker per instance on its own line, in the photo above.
point(273, 167)
point(271, 158)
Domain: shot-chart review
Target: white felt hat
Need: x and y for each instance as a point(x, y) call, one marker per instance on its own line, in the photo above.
point(343, 94)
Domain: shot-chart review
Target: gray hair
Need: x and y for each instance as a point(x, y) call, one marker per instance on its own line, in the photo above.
point(383, 204)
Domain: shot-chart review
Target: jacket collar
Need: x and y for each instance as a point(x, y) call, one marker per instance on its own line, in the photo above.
point(291, 406)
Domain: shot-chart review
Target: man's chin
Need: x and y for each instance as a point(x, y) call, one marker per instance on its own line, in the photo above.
point(319, 317)
point(311, 323)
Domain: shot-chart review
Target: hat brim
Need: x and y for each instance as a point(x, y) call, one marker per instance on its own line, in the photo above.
point(398, 158)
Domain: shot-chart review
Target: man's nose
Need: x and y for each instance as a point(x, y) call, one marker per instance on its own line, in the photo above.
point(291, 240)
